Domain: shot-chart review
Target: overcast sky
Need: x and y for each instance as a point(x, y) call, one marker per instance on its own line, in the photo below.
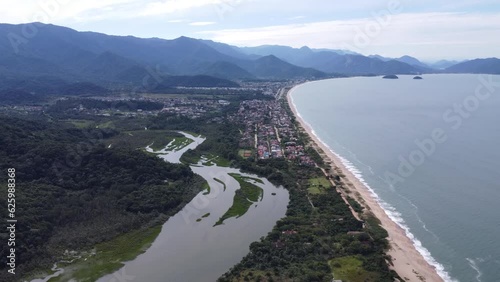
point(428, 30)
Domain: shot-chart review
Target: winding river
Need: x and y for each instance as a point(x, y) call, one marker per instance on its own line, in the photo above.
point(190, 247)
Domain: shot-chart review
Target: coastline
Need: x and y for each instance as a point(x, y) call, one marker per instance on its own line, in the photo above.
point(407, 261)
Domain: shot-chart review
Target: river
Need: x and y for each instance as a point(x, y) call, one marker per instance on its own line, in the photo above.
point(192, 250)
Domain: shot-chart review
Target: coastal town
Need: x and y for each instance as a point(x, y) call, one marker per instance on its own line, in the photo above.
point(269, 131)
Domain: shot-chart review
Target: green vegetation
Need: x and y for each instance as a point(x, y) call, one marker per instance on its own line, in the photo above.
point(108, 124)
point(207, 160)
point(250, 178)
point(376, 230)
point(314, 190)
point(158, 139)
point(351, 269)
point(206, 186)
point(219, 161)
point(110, 256)
point(179, 143)
point(321, 182)
point(245, 153)
point(204, 216)
point(355, 205)
point(80, 123)
point(243, 198)
point(251, 191)
point(77, 193)
point(190, 157)
point(318, 185)
point(221, 182)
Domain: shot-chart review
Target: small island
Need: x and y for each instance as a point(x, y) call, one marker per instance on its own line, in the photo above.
point(390, 76)
point(417, 77)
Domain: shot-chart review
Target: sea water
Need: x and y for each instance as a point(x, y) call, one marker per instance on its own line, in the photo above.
point(430, 151)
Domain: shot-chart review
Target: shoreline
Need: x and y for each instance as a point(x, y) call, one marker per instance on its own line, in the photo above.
point(407, 261)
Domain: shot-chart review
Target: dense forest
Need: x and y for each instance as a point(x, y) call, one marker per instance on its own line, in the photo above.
point(72, 192)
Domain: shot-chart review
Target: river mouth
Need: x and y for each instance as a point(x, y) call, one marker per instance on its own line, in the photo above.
point(191, 247)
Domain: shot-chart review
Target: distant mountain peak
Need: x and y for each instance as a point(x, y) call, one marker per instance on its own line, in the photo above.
point(487, 65)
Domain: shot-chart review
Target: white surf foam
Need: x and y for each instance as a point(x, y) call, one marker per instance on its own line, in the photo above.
point(394, 215)
point(473, 264)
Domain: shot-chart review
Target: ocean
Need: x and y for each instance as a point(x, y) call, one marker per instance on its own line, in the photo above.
point(429, 150)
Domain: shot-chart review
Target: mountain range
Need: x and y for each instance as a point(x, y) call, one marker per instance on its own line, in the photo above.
point(56, 58)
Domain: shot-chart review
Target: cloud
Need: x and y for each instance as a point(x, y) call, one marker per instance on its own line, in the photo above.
point(173, 6)
point(201, 23)
point(297, 18)
point(409, 32)
point(177, 21)
point(58, 11)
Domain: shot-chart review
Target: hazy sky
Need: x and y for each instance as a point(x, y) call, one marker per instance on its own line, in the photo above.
point(426, 29)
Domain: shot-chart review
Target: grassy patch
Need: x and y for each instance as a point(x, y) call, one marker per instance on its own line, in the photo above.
point(221, 182)
point(110, 256)
point(253, 192)
point(351, 269)
point(211, 159)
point(206, 186)
point(108, 124)
point(243, 199)
point(81, 123)
point(246, 178)
point(222, 162)
point(320, 182)
point(245, 153)
point(314, 190)
point(318, 185)
point(142, 138)
point(179, 143)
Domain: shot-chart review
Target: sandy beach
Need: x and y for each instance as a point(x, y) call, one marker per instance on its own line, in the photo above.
point(407, 261)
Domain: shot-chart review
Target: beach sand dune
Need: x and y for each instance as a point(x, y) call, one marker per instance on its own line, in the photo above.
point(406, 260)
